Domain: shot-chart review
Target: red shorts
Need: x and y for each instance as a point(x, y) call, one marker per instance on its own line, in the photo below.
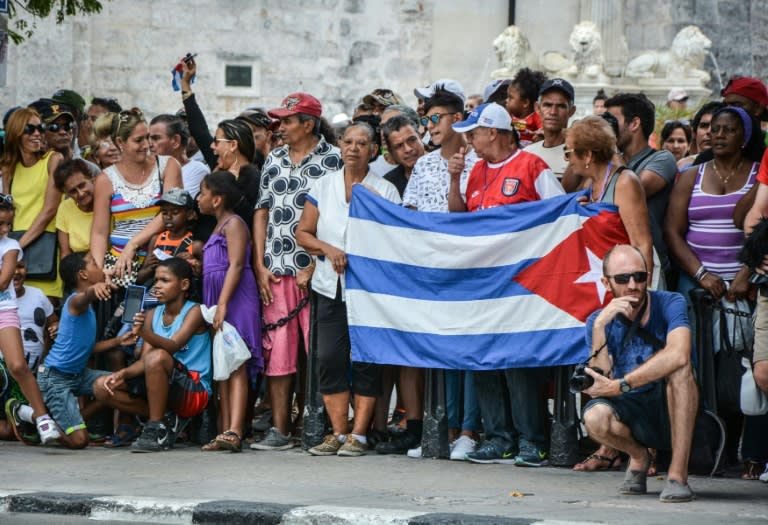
point(187, 396)
point(281, 345)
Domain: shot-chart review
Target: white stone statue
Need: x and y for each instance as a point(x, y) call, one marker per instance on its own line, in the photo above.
point(587, 47)
point(514, 53)
point(684, 60)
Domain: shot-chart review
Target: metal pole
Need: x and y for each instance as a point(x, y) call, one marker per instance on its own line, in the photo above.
point(434, 439)
point(315, 420)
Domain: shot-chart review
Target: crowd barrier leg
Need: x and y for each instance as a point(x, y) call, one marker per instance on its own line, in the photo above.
point(703, 308)
point(563, 446)
point(434, 440)
point(315, 418)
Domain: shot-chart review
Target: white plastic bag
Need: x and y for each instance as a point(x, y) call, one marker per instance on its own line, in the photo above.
point(229, 349)
point(754, 402)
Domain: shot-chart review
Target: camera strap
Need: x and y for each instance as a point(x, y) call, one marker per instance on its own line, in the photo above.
point(636, 330)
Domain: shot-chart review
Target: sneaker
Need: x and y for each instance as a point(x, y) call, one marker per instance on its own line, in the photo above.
point(273, 440)
point(263, 422)
point(414, 452)
point(764, 476)
point(352, 447)
point(46, 428)
point(491, 452)
point(531, 456)
point(154, 438)
point(175, 426)
point(329, 447)
point(399, 445)
point(20, 428)
point(461, 447)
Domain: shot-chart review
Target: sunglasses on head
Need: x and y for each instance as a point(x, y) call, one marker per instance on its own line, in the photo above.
point(69, 126)
point(31, 128)
point(384, 93)
point(6, 200)
point(623, 278)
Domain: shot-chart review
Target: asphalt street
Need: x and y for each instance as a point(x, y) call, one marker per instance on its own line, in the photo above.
point(367, 486)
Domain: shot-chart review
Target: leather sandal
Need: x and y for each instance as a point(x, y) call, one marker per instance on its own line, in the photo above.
point(229, 440)
point(596, 462)
point(211, 446)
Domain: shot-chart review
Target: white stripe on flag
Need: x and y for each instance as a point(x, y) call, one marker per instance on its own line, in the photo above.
point(444, 251)
point(523, 313)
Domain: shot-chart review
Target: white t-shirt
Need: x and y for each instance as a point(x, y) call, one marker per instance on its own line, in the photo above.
point(430, 182)
point(328, 194)
point(34, 309)
point(554, 156)
point(192, 173)
point(8, 296)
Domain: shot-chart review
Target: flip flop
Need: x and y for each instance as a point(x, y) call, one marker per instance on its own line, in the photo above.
point(125, 435)
point(229, 440)
point(599, 462)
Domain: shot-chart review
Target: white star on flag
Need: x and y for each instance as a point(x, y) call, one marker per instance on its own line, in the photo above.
point(594, 274)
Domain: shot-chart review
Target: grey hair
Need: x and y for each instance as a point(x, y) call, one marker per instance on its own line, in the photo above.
point(404, 110)
point(365, 127)
point(396, 124)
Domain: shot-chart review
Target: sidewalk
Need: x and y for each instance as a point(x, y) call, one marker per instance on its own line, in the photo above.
point(185, 485)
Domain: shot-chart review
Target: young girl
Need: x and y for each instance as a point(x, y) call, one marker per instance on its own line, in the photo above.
point(75, 215)
point(10, 337)
point(229, 283)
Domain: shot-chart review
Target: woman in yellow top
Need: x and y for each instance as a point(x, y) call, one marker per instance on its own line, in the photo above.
point(28, 176)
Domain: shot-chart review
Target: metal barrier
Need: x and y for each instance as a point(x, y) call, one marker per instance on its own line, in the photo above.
point(315, 418)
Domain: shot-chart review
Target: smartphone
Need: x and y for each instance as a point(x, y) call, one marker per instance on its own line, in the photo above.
point(134, 302)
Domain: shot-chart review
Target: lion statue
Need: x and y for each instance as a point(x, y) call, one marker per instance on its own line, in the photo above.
point(684, 60)
point(513, 51)
point(587, 46)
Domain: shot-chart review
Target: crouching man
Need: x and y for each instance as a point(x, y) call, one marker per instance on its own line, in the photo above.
point(648, 397)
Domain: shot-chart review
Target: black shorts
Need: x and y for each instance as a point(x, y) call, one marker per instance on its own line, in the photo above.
point(645, 413)
point(187, 395)
point(334, 358)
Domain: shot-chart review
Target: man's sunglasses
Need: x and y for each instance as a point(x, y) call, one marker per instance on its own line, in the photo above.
point(69, 126)
point(433, 118)
point(31, 128)
point(623, 278)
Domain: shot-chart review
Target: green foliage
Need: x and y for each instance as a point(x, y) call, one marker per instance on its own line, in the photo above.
point(42, 9)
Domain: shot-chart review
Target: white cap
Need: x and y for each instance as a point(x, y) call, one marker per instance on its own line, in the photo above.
point(445, 84)
point(677, 94)
point(488, 115)
point(340, 119)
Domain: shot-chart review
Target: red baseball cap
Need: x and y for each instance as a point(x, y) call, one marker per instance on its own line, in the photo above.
point(297, 103)
point(747, 87)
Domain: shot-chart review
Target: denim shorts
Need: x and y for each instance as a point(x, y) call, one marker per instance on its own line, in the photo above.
point(60, 391)
point(645, 413)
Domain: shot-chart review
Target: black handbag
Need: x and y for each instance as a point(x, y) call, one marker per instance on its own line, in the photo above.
point(40, 256)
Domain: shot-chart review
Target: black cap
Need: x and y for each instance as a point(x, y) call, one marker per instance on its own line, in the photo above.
point(50, 110)
point(559, 84)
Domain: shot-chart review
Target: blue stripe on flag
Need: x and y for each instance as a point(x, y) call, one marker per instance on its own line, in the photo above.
point(368, 206)
point(469, 352)
point(413, 282)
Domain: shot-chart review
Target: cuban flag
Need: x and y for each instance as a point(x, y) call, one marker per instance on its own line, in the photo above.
point(507, 287)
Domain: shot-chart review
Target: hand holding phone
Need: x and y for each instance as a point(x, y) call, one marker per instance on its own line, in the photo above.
point(134, 302)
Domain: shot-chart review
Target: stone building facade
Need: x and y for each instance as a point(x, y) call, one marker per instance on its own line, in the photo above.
point(335, 49)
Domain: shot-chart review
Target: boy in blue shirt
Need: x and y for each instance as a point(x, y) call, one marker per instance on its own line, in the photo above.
point(172, 380)
point(64, 375)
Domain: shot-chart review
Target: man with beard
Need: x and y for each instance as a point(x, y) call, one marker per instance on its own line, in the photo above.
point(648, 397)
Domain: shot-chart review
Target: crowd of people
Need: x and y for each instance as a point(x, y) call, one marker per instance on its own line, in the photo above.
point(251, 220)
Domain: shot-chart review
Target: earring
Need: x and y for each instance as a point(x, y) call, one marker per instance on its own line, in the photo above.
point(587, 166)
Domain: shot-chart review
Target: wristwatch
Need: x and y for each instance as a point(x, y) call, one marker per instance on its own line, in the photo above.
point(624, 386)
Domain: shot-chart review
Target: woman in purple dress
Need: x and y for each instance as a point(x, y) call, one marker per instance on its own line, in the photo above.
point(229, 283)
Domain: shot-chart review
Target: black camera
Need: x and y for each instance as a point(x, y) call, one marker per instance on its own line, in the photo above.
point(581, 380)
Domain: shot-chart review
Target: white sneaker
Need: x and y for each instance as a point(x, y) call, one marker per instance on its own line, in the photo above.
point(764, 476)
point(47, 430)
point(463, 445)
point(414, 452)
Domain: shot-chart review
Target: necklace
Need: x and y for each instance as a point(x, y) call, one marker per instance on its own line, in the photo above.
point(725, 180)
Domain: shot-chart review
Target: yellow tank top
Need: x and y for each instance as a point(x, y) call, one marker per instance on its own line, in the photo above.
point(28, 189)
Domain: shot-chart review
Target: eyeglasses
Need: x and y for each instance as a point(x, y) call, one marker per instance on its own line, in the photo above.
point(684, 122)
point(105, 144)
point(6, 199)
point(217, 139)
point(727, 130)
point(433, 118)
point(69, 126)
point(31, 128)
point(623, 278)
point(567, 153)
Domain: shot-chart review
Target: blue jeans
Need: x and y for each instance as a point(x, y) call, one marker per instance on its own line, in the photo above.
point(453, 392)
point(513, 406)
point(60, 391)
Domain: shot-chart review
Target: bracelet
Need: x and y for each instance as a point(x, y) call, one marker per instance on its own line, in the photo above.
point(186, 94)
point(700, 273)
